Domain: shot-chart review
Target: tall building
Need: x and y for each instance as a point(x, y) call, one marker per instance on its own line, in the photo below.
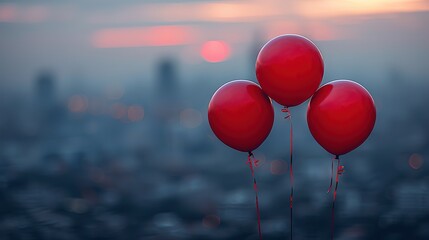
point(166, 102)
point(46, 104)
point(45, 88)
point(167, 75)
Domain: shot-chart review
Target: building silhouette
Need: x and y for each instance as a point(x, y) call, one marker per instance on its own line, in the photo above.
point(167, 104)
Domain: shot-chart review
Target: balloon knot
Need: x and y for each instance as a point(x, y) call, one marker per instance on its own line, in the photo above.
point(340, 169)
point(287, 111)
point(251, 161)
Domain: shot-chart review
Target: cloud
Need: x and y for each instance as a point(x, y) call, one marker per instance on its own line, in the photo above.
point(23, 14)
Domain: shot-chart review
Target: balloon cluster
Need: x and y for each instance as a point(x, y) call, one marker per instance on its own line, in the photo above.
point(289, 68)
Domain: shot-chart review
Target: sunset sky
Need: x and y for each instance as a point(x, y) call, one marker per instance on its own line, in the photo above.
point(81, 34)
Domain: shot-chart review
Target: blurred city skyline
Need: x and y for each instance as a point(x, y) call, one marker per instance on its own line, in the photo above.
point(104, 131)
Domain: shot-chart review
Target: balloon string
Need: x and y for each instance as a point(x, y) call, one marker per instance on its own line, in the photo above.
point(340, 170)
point(289, 116)
point(332, 174)
point(252, 162)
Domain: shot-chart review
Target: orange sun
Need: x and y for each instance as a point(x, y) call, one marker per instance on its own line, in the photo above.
point(215, 51)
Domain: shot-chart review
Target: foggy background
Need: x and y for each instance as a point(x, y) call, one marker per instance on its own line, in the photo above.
point(104, 132)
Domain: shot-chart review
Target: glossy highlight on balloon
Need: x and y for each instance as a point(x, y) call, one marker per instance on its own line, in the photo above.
point(341, 116)
point(241, 115)
point(290, 69)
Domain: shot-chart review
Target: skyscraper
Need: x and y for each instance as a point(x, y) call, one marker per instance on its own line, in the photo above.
point(166, 102)
point(46, 109)
point(45, 88)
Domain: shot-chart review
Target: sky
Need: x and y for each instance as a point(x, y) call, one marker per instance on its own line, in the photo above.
point(107, 40)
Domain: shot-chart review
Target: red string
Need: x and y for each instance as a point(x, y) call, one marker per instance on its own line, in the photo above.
point(254, 163)
point(289, 116)
point(340, 170)
point(332, 174)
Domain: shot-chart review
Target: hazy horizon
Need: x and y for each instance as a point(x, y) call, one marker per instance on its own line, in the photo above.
point(65, 38)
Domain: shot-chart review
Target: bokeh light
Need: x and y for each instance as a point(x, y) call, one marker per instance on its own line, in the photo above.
point(7, 13)
point(211, 221)
point(278, 167)
point(215, 51)
point(190, 118)
point(135, 113)
point(119, 111)
point(415, 161)
point(78, 104)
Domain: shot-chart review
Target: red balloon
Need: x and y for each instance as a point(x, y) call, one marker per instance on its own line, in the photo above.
point(289, 69)
point(241, 115)
point(341, 115)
